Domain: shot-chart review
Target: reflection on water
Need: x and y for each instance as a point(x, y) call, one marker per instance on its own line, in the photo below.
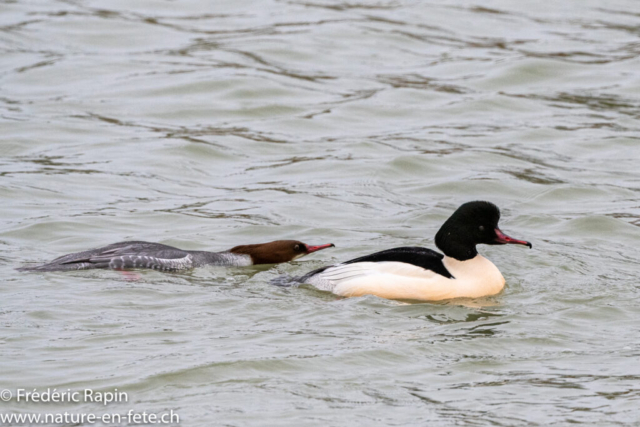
point(366, 123)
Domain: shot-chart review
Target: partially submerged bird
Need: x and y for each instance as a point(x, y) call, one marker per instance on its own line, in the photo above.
point(126, 255)
point(415, 273)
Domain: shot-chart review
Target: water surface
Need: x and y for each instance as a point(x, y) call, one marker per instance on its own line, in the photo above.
point(207, 125)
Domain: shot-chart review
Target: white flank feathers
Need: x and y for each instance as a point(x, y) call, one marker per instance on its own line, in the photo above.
point(473, 278)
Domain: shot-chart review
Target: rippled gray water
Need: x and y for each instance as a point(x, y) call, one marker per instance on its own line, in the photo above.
point(209, 124)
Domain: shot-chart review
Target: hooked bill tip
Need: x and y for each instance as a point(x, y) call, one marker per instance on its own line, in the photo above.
point(311, 248)
point(503, 239)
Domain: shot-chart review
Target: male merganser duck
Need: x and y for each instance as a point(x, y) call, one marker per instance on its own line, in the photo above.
point(125, 255)
point(415, 273)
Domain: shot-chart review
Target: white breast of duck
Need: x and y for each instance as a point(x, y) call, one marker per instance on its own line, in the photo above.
point(473, 278)
point(415, 273)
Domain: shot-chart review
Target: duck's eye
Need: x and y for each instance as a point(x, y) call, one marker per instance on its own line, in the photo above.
point(481, 228)
point(296, 248)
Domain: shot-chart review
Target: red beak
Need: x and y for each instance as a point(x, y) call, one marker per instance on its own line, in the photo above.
point(319, 247)
point(503, 239)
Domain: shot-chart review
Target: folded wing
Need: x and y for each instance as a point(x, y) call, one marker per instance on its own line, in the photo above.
point(122, 255)
point(411, 262)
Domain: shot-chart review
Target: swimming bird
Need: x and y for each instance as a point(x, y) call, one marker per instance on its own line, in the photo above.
point(415, 273)
point(126, 255)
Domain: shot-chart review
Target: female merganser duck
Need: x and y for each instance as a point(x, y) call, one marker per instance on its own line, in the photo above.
point(415, 273)
point(125, 255)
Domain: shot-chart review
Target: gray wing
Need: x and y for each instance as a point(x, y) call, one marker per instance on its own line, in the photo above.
point(122, 255)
